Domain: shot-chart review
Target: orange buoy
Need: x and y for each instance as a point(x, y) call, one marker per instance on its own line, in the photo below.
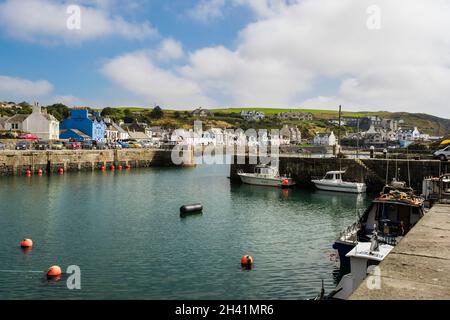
point(26, 243)
point(103, 168)
point(247, 261)
point(285, 182)
point(40, 172)
point(61, 171)
point(112, 168)
point(53, 272)
point(119, 167)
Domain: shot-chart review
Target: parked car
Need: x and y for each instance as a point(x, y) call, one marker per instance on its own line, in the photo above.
point(87, 145)
point(73, 145)
point(134, 145)
point(41, 145)
point(57, 145)
point(22, 145)
point(442, 154)
point(114, 145)
point(100, 145)
point(146, 143)
point(2, 146)
point(123, 144)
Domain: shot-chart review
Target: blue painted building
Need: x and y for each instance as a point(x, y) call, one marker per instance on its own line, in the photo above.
point(81, 125)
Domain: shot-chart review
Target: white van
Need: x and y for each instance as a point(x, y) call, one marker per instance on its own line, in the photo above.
point(443, 154)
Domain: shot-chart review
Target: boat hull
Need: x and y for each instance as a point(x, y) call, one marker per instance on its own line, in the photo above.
point(343, 248)
point(266, 181)
point(340, 187)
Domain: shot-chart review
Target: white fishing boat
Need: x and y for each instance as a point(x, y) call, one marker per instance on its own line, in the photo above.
point(332, 181)
point(363, 258)
point(266, 176)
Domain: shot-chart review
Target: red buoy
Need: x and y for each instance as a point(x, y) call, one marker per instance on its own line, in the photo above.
point(112, 168)
point(26, 243)
point(128, 167)
point(28, 172)
point(247, 261)
point(61, 171)
point(40, 172)
point(285, 182)
point(54, 272)
point(103, 168)
point(119, 167)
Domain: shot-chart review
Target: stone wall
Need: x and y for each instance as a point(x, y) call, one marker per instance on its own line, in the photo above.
point(17, 162)
point(370, 171)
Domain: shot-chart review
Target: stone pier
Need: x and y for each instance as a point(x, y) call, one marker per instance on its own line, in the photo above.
point(18, 162)
point(419, 266)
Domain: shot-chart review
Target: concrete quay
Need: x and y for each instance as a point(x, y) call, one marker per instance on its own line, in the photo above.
point(418, 268)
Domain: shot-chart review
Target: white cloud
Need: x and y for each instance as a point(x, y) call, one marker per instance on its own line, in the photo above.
point(169, 49)
point(137, 73)
point(284, 57)
point(44, 21)
point(18, 87)
point(207, 10)
point(69, 100)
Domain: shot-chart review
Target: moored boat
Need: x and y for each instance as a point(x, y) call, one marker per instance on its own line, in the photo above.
point(392, 215)
point(363, 258)
point(332, 181)
point(266, 176)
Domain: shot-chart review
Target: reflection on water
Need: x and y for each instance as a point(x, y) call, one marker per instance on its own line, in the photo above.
point(125, 232)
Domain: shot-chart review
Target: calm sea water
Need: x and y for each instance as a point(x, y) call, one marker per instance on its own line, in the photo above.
point(124, 231)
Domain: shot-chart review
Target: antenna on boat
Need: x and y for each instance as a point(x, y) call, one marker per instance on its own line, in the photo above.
point(339, 140)
point(387, 169)
point(407, 162)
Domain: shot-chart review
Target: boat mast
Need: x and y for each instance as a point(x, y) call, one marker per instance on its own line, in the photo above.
point(339, 128)
point(338, 151)
point(357, 137)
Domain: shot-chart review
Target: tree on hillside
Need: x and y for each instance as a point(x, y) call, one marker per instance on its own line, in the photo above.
point(156, 113)
point(128, 116)
point(108, 111)
point(59, 111)
point(24, 104)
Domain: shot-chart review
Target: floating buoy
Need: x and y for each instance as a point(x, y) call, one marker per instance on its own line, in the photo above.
point(119, 167)
point(247, 261)
point(103, 168)
point(61, 171)
point(26, 243)
point(54, 272)
point(285, 182)
point(28, 173)
point(191, 209)
point(112, 168)
point(128, 167)
point(40, 172)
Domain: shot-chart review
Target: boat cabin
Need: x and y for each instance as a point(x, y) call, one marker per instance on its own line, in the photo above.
point(333, 175)
point(391, 217)
point(266, 170)
point(437, 189)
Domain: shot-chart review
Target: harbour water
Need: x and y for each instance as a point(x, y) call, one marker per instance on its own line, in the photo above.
point(124, 231)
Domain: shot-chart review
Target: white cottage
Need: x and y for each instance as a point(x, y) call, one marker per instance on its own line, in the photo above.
point(325, 139)
point(41, 124)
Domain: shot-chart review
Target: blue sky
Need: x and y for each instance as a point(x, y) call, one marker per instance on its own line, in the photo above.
point(218, 53)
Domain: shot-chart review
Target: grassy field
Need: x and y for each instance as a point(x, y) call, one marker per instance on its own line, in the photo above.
point(230, 118)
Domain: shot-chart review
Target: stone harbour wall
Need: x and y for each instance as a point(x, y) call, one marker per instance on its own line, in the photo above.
point(370, 171)
point(16, 162)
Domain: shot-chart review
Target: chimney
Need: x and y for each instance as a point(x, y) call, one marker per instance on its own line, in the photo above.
point(36, 108)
